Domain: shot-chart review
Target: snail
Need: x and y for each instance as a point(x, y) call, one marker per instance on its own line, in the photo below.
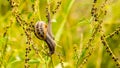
point(43, 32)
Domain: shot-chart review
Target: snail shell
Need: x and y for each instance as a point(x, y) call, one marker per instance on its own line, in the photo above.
point(41, 31)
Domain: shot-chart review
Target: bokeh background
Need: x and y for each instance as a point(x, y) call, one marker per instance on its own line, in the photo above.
point(72, 28)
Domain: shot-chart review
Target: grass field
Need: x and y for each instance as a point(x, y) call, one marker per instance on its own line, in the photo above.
point(86, 32)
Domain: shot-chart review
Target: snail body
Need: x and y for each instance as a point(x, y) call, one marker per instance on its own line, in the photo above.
point(42, 33)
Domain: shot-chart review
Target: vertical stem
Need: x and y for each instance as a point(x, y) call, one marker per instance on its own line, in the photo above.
point(81, 42)
point(99, 59)
point(49, 20)
point(37, 11)
point(51, 62)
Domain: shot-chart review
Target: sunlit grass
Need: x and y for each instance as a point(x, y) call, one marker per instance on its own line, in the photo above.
point(73, 28)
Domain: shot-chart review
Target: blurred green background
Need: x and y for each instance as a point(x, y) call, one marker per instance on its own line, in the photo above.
point(72, 28)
